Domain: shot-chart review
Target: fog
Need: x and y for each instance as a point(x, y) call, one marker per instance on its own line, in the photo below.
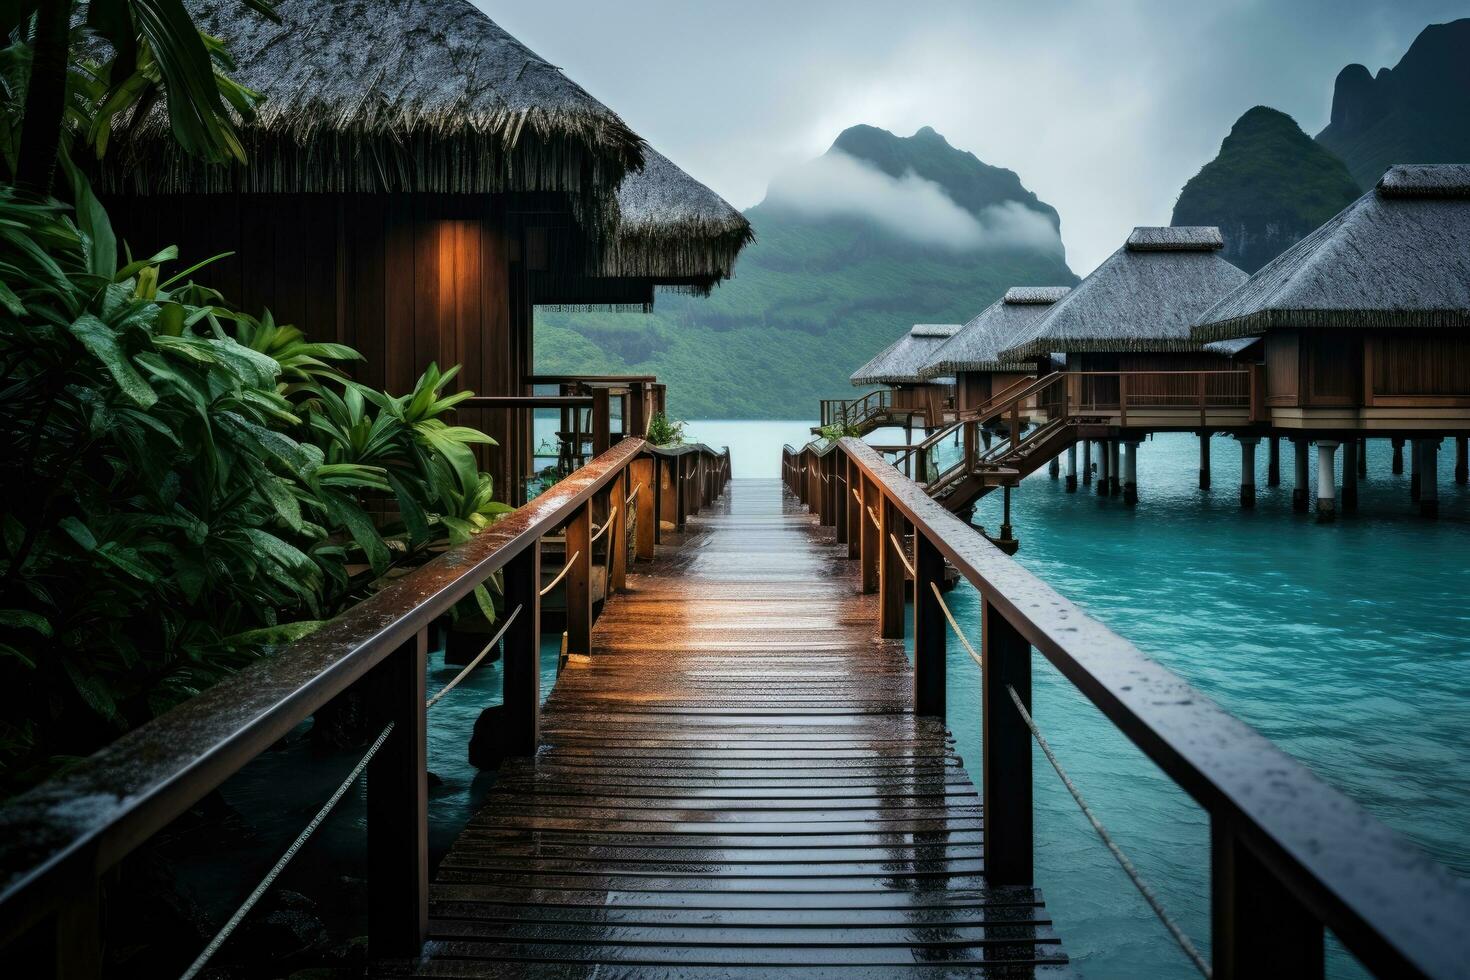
point(1104, 109)
point(838, 185)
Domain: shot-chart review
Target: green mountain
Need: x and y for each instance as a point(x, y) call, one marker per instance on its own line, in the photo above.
point(1416, 112)
point(879, 233)
point(1267, 188)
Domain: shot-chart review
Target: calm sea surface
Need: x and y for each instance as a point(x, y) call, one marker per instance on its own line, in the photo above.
point(1347, 644)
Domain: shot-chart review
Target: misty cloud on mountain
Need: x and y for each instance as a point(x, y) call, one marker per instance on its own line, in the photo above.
point(838, 185)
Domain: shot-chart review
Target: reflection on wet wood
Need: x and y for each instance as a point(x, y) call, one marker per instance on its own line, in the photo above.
point(735, 784)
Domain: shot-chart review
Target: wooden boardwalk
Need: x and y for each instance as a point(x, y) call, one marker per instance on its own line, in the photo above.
point(732, 786)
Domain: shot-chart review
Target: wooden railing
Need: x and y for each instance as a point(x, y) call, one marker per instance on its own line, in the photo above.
point(855, 411)
point(57, 839)
point(586, 405)
point(1289, 854)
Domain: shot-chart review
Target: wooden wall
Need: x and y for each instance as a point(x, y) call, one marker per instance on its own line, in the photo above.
point(1283, 368)
point(1429, 368)
point(407, 280)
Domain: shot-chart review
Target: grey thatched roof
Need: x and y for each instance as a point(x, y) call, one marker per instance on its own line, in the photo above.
point(900, 361)
point(1144, 297)
point(1176, 238)
point(673, 228)
point(1229, 348)
point(1399, 256)
point(977, 346)
point(390, 95)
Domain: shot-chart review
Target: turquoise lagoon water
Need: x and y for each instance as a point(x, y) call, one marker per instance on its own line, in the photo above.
point(1347, 644)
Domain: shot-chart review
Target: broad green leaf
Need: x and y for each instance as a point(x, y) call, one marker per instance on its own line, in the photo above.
point(25, 619)
point(101, 341)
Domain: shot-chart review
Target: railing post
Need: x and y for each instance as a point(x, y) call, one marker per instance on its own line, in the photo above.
point(871, 546)
point(829, 488)
point(617, 536)
point(522, 682)
point(854, 508)
point(1122, 398)
point(578, 582)
point(398, 807)
point(929, 629)
point(1257, 927)
point(840, 496)
point(601, 421)
point(681, 483)
point(667, 487)
point(647, 514)
point(76, 927)
point(1006, 750)
point(890, 571)
point(637, 421)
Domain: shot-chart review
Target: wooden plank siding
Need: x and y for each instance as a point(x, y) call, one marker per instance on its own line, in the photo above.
point(405, 279)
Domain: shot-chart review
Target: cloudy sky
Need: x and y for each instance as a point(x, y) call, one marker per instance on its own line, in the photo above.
point(1105, 108)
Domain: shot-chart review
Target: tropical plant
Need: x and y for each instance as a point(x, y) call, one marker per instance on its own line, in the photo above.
point(839, 430)
point(139, 52)
point(663, 431)
point(200, 484)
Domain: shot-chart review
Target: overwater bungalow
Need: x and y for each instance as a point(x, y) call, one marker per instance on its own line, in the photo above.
point(972, 356)
point(1130, 358)
point(417, 182)
point(1364, 324)
point(907, 394)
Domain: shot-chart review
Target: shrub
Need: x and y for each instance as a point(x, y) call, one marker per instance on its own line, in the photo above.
point(186, 484)
point(665, 432)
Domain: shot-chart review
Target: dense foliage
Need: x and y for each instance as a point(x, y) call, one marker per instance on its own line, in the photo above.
point(812, 299)
point(187, 483)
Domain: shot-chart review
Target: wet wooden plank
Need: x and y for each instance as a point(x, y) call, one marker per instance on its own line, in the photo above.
point(734, 785)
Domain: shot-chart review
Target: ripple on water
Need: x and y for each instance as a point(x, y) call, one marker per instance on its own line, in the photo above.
point(1347, 644)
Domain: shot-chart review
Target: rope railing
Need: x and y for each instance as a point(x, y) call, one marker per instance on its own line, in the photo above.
point(628, 501)
point(944, 606)
point(857, 496)
point(259, 891)
point(475, 662)
point(898, 547)
point(605, 525)
point(873, 516)
point(1175, 931)
point(275, 872)
point(560, 575)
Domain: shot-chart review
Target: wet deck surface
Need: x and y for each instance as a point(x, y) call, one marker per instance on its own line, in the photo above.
point(734, 786)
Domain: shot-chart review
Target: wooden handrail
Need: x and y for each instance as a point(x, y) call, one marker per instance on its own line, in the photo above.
point(567, 379)
point(527, 401)
point(57, 838)
point(1290, 854)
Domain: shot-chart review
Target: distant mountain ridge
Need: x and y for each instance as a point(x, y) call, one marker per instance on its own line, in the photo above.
point(1269, 186)
point(1416, 112)
point(822, 290)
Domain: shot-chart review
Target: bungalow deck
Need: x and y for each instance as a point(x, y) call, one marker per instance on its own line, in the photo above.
point(735, 783)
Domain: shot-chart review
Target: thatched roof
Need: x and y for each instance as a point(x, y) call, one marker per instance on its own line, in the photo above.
point(1399, 256)
point(900, 361)
point(1230, 348)
point(978, 344)
point(672, 227)
point(390, 95)
point(672, 232)
point(1144, 297)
